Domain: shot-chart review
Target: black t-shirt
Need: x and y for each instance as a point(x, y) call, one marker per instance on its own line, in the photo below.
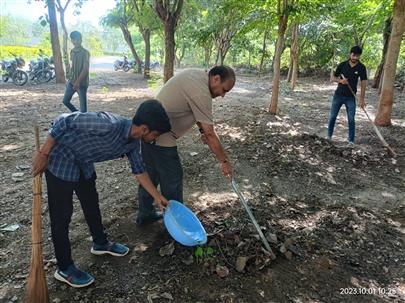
point(352, 74)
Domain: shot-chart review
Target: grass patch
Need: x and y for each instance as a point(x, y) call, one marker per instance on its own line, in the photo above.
point(155, 81)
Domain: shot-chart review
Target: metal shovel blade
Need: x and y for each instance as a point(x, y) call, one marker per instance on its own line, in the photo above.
point(252, 218)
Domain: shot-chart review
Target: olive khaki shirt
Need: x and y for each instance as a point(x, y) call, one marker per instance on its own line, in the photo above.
point(187, 99)
point(79, 57)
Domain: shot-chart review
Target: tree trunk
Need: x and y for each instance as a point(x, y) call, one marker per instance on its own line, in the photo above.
point(207, 55)
point(146, 39)
point(53, 26)
point(290, 68)
point(128, 40)
point(65, 41)
point(378, 73)
point(294, 55)
point(222, 57)
point(180, 57)
point(282, 25)
point(217, 58)
point(263, 51)
point(168, 12)
point(383, 117)
point(170, 44)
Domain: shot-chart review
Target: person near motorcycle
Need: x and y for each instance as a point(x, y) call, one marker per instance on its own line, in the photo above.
point(79, 74)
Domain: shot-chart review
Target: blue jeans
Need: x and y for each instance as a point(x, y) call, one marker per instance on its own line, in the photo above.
point(337, 103)
point(164, 168)
point(82, 92)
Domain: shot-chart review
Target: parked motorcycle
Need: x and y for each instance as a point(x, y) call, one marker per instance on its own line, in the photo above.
point(154, 65)
point(40, 71)
point(125, 65)
point(12, 70)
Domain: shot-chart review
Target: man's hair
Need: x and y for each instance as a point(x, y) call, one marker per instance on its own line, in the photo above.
point(224, 72)
point(152, 114)
point(356, 50)
point(75, 35)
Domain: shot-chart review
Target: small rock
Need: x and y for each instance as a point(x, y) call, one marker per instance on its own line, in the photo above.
point(17, 177)
point(140, 248)
point(272, 238)
point(189, 260)
point(151, 297)
point(288, 255)
point(283, 249)
point(346, 153)
point(21, 276)
point(167, 250)
point(323, 263)
point(241, 263)
point(11, 227)
point(193, 154)
point(222, 271)
point(23, 167)
point(166, 295)
point(288, 242)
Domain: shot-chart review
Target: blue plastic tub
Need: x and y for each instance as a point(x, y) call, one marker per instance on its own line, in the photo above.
point(183, 225)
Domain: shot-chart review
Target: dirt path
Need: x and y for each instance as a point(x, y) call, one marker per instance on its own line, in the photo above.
point(335, 215)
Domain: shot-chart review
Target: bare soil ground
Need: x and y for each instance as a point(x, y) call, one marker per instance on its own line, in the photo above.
point(335, 215)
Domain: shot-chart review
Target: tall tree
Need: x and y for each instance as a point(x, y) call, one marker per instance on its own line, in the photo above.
point(187, 28)
point(386, 38)
point(263, 51)
point(383, 116)
point(169, 12)
point(122, 16)
point(283, 7)
point(57, 57)
point(294, 55)
point(147, 21)
point(61, 7)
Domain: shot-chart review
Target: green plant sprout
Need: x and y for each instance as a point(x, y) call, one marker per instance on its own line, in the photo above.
point(203, 253)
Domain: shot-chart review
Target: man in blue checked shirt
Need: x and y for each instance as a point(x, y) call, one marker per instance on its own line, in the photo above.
point(75, 142)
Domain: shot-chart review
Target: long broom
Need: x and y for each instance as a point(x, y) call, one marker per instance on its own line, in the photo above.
point(37, 289)
point(384, 143)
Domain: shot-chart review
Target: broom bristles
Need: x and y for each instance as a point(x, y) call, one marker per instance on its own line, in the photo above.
point(37, 289)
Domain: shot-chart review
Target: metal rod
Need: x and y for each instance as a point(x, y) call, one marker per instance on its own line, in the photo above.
point(252, 218)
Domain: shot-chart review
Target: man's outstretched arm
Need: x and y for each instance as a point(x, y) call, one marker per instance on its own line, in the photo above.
point(212, 139)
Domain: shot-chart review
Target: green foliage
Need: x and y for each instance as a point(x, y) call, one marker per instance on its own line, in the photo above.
point(328, 28)
point(203, 253)
point(14, 31)
point(28, 53)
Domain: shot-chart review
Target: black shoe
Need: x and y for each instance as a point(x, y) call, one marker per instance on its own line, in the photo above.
point(149, 219)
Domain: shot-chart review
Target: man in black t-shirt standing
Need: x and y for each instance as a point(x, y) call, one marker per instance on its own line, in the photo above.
point(347, 74)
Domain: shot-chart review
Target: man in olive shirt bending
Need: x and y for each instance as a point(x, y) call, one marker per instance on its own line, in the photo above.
point(79, 74)
point(187, 99)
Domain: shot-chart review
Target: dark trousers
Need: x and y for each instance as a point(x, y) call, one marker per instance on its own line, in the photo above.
point(60, 200)
point(69, 92)
point(164, 169)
